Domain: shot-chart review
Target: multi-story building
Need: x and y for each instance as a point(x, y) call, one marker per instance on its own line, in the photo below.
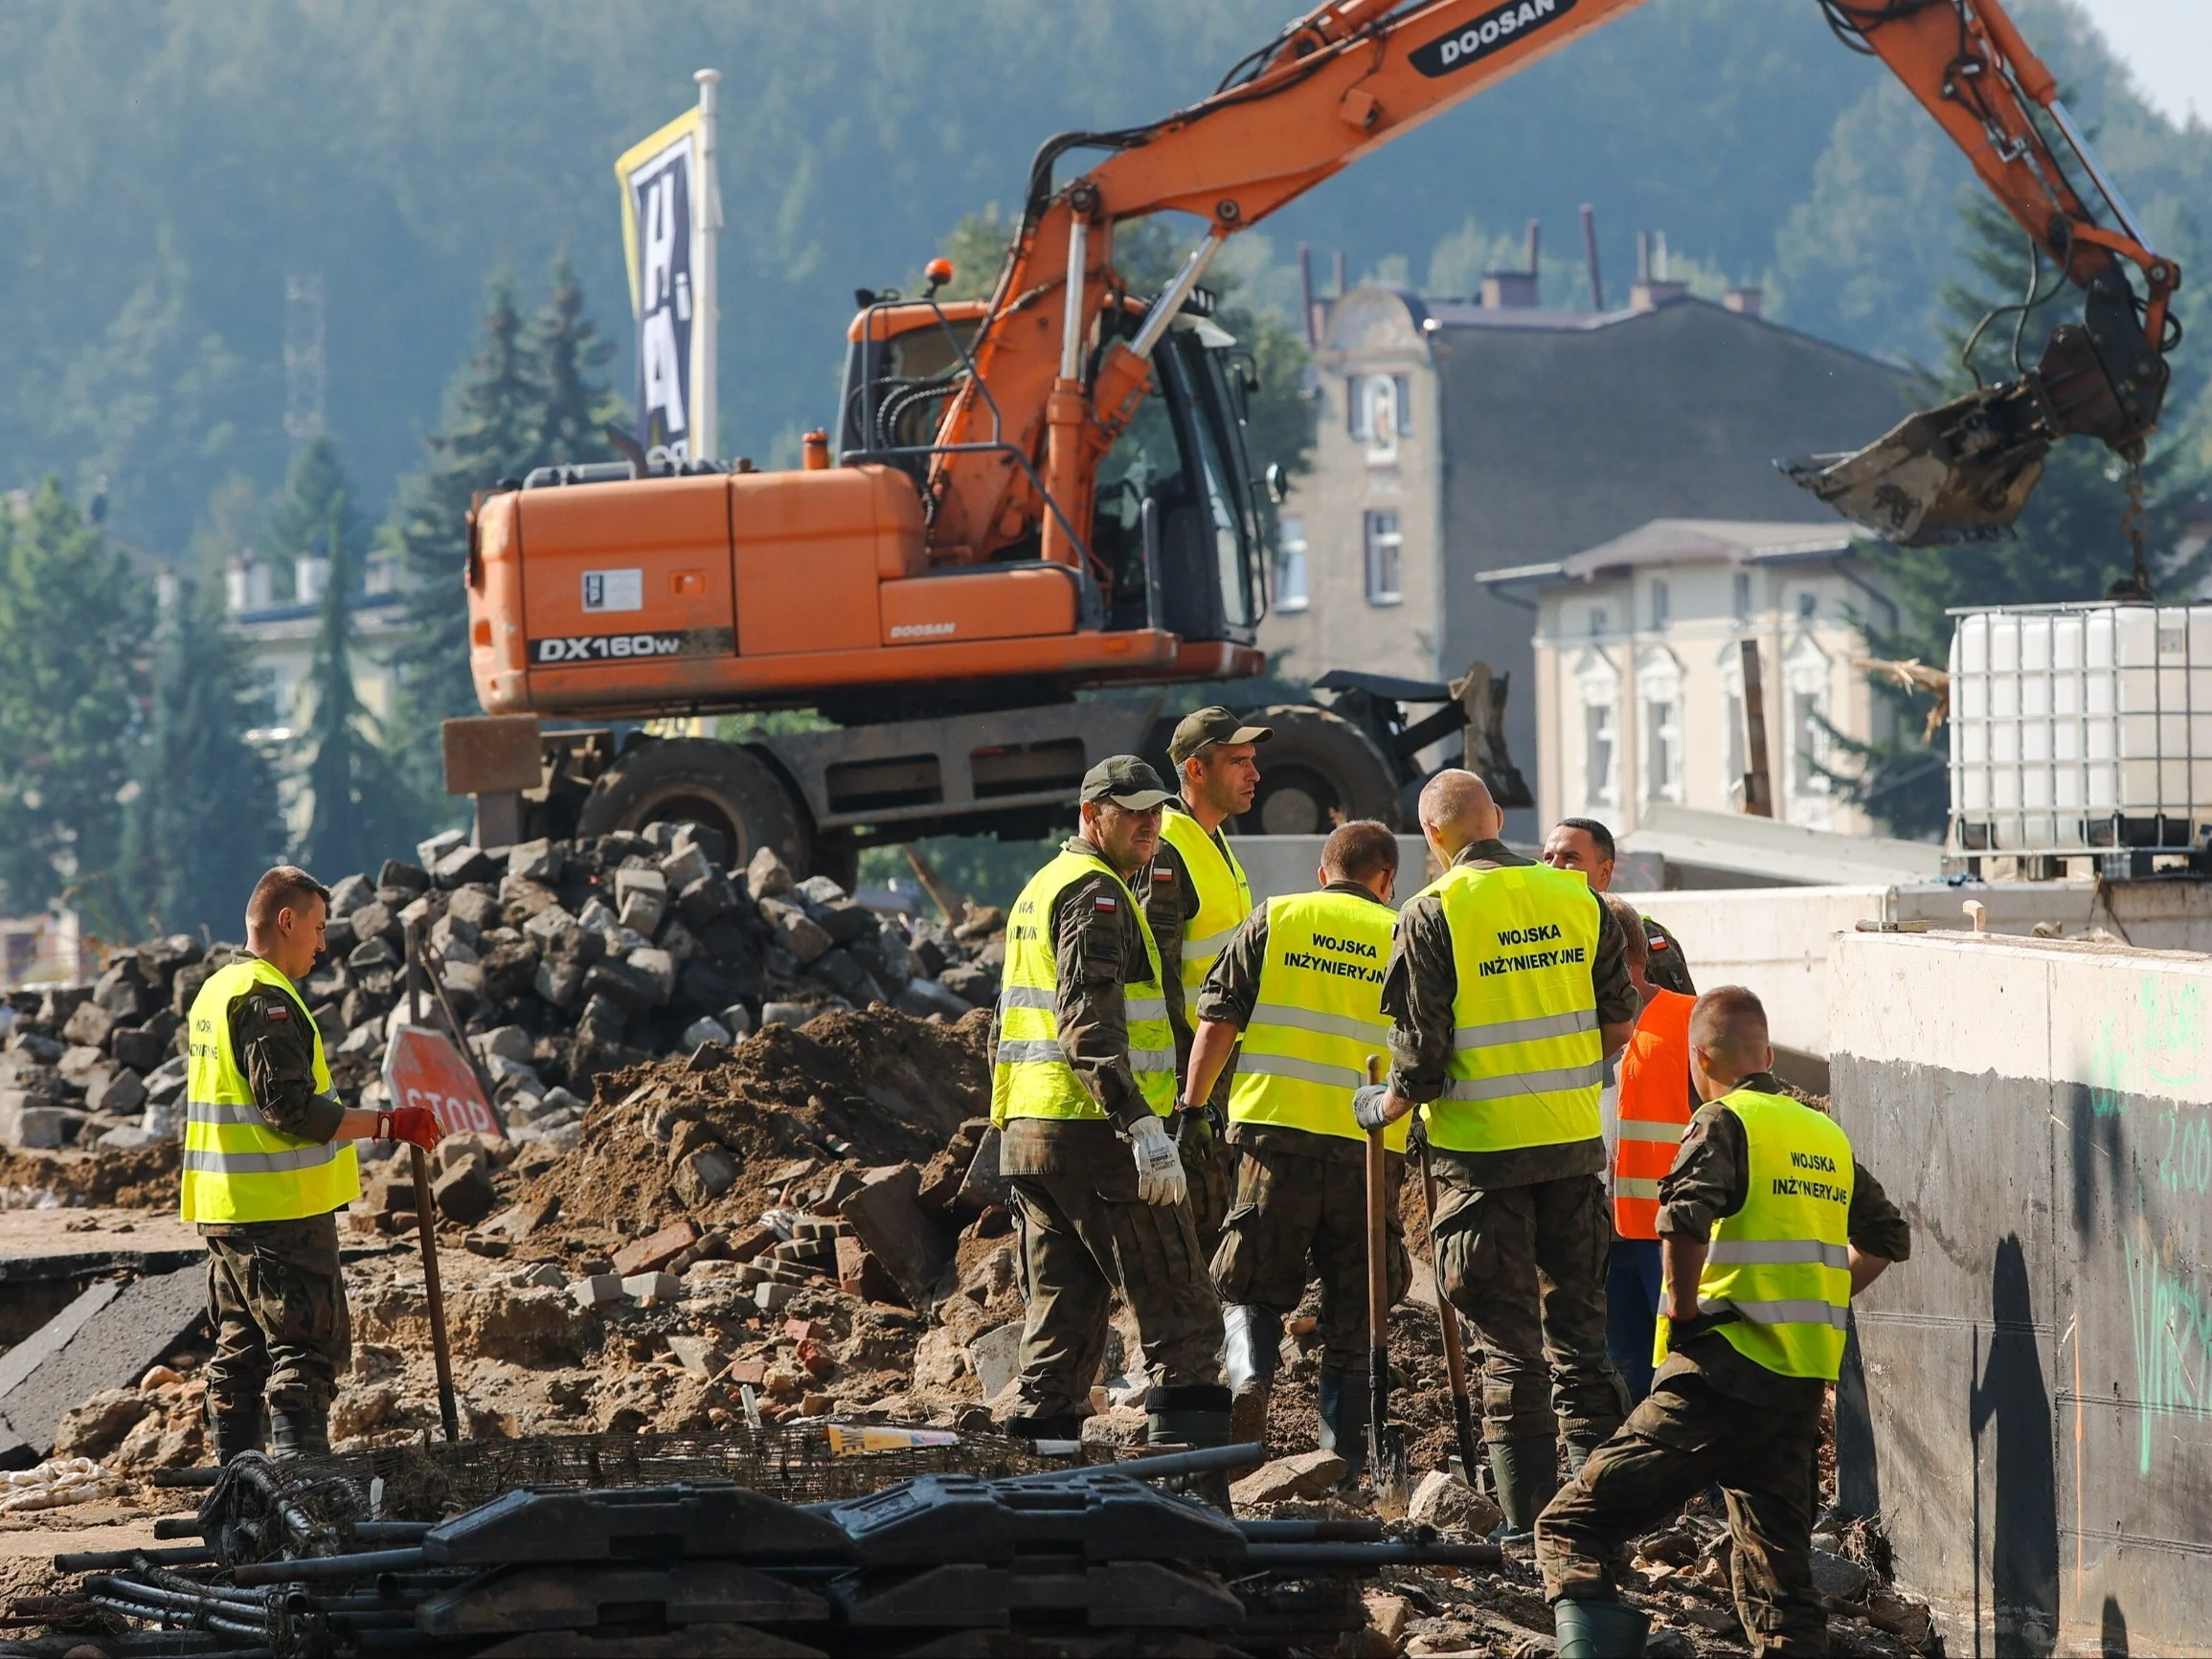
point(1456, 438)
point(1639, 683)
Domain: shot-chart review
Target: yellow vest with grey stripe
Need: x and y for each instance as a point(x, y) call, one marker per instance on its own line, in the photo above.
point(1778, 1271)
point(1527, 1061)
point(1032, 1077)
point(1319, 1016)
point(235, 1167)
point(1224, 895)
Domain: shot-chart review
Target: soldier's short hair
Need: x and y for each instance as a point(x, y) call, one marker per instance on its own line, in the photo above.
point(1634, 940)
point(1359, 850)
point(287, 885)
point(1730, 1022)
point(1599, 836)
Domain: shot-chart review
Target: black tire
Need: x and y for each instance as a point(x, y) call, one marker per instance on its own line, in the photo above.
point(675, 779)
point(1316, 772)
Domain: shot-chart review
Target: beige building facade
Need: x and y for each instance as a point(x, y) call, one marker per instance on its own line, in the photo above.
point(1639, 675)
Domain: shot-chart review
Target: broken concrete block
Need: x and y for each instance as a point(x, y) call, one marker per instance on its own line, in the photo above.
point(597, 1291)
point(96, 1427)
point(1450, 1504)
point(462, 866)
point(711, 1171)
point(984, 1186)
point(118, 1092)
point(33, 1123)
point(923, 997)
point(538, 861)
point(997, 1357)
point(106, 1338)
point(772, 1295)
point(886, 1217)
point(699, 1356)
point(1388, 1614)
point(629, 987)
point(507, 1042)
point(738, 1019)
point(1839, 1577)
point(796, 930)
point(651, 1288)
point(89, 1025)
point(1307, 1475)
point(660, 966)
point(643, 900)
point(126, 1137)
point(540, 1276)
point(559, 980)
point(464, 1194)
point(767, 876)
point(704, 1030)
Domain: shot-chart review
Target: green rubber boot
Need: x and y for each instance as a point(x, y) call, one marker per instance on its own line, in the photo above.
point(1528, 1476)
point(1595, 1629)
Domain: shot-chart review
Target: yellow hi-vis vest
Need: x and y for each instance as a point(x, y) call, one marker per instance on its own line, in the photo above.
point(235, 1167)
point(1032, 1077)
point(1780, 1269)
point(1320, 1015)
point(1224, 895)
point(1526, 1058)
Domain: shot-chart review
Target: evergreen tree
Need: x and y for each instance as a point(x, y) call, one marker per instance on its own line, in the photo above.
point(571, 360)
point(203, 823)
point(73, 624)
point(351, 819)
point(2070, 544)
point(300, 525)
point(495, 422)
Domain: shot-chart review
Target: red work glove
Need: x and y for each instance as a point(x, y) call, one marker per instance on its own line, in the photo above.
point(416, 1125)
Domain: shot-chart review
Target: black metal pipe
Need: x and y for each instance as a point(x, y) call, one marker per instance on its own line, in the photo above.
point(115, 1561)
point(1250, 1454)
point(1321, 1532)
point(1321, 1558)
point(309, 1568)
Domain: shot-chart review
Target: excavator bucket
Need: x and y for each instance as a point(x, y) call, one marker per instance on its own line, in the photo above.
point(1959, 472)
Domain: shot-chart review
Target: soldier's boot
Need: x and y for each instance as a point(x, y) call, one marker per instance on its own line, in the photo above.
point(1526, 1470)
point(1251, 1351)
point(1343, 1414)
point(1594, 1629)
point(1051, 1425)
point(233, 1430)
point(300, 1433)
point(1193, 1416)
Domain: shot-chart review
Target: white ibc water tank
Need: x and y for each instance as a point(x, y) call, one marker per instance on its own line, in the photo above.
point(2080, 728)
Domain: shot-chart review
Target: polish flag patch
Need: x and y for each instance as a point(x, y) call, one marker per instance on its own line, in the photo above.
point(1108, 904)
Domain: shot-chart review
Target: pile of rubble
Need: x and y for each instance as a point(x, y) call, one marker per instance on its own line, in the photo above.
point(563, 960)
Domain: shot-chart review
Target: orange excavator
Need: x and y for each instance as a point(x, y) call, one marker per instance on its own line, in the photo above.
point(1045, 493)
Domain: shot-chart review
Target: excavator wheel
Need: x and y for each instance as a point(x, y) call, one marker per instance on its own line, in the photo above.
point(675, 779)
point(1318, 771)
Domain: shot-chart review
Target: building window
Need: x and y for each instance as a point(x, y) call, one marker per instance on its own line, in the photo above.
point(1598, 620)
point(1290, 564)
point(1805, 683)
point(1742, 596)
point(1658, 685)
point(1384, 542)
point(1808, 605)
point(1659, 607)
point(1600, 779)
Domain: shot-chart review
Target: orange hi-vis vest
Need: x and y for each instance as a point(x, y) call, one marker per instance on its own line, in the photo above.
point(1655, 1108)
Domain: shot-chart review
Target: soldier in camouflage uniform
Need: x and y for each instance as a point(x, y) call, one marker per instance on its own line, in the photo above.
point(1753, 1330)
point(267, 1162)
point(1583, 843)
point(1507, 986)
point(1195, 895)
point(1301, 984)
point(1082, 1086)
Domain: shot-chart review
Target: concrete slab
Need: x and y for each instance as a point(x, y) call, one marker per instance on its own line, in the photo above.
point(107, 1345)
point(68, 1244)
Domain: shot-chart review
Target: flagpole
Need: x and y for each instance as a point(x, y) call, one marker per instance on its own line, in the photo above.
point(706, 330)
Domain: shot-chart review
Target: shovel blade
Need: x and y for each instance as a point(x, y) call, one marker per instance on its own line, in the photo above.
point(1387, 1473)
point(1957, 473)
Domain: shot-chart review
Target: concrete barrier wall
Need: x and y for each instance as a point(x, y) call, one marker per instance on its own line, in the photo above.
point(1775, 940)
point(2029, 1399)
point(1279, 864)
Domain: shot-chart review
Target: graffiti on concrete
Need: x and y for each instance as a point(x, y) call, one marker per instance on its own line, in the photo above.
point(2170, 1304)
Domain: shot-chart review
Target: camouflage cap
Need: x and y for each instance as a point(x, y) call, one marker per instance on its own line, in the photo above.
point(1209, 729)
point(1126, 781)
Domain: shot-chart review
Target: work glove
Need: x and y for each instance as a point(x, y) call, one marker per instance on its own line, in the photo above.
point(1160, 1176)
point(1368, 1105)
point(416, 1125)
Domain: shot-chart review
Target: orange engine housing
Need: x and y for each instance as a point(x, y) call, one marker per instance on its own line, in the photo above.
point(730, 590)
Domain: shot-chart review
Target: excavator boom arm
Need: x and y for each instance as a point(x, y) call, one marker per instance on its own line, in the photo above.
point(1353, 75)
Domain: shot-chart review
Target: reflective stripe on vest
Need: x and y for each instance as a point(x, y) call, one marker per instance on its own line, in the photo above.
point(1778, 1271)
point(1320, 1015)
point(1224, 895)
point(1655, 1108)
point(1030, 1076)
point(1527, 1061)
point(235, 1167)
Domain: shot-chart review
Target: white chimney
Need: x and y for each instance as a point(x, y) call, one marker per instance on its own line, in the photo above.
point(1745, 301)
point(311, 579)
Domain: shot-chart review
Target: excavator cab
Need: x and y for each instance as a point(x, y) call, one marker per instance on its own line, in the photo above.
point(1175, 539)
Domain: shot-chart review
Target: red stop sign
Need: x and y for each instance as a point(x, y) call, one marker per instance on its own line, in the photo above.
point(421, 1067)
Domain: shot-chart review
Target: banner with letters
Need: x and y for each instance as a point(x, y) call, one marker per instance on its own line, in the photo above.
point(659, 246)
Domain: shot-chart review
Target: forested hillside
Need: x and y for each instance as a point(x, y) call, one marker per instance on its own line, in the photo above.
point(164, 169)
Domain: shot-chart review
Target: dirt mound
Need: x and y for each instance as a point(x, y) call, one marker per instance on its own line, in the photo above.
point(142, 1178)
point(866, 1086)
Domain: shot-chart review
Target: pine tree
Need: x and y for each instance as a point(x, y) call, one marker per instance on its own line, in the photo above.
point(350, 824)
point(203, 821)
point(300, 524)
point(2070, 545)
point(570, 361)
point(495, 422)
point(73, 621)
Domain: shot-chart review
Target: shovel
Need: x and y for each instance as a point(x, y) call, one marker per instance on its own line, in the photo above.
point(1448, 1323)
point(1385, 1442)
